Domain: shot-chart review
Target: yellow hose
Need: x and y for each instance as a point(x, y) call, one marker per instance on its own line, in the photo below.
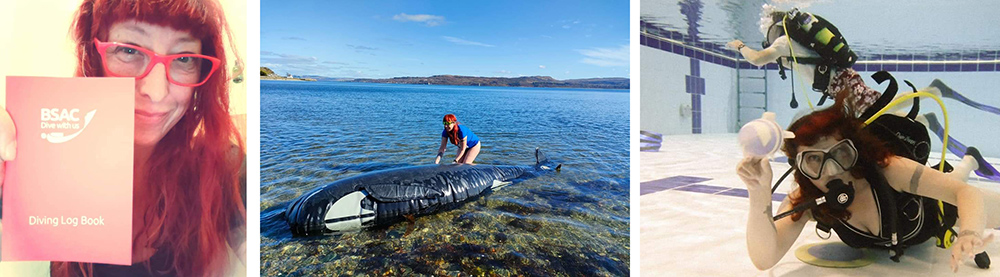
point(784, 26)
point(944, 146)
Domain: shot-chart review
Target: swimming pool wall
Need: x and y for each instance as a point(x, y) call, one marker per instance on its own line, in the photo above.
point(670, 81)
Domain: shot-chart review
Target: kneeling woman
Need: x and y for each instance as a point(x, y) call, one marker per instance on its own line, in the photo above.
point(462, 137)
point(895, 199)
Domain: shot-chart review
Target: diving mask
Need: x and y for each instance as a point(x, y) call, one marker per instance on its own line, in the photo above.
point(836, 159)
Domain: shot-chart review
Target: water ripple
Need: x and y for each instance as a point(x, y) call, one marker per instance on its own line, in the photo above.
point(575, 222)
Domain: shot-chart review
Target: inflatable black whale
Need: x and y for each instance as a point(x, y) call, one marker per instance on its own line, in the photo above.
point(383, 197)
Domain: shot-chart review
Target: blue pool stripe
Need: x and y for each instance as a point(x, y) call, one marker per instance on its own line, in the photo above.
point(668, 183)
point(735, 192)
point(678, 43)
point(702, 188)
point(690, 184)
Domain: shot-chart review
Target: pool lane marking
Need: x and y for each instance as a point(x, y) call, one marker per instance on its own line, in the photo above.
point(669, 183)
point(688, 183)
point(691, 184)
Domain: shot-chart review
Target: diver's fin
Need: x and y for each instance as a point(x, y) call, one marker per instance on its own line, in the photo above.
point(954, 146)
point(945, 90)
point(986, 170)
point(950, 93)
point(972, 151)
point(396, 193)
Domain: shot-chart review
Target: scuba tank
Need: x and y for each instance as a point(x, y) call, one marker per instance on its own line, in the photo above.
point(817, 34)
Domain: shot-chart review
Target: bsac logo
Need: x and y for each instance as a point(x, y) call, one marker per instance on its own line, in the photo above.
point(63, 119)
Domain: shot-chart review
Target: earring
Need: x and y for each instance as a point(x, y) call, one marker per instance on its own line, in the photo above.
point(194, 101)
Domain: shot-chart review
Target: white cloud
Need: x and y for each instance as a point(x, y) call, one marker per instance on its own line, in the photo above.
point(541, 66)
point(606, 56)
point(465, 42)
point(566, 24)
point(298, 65)
point(430, 20)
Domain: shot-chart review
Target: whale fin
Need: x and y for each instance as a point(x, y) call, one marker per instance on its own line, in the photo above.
point(540, 158)
point(346, 214)
point(497, 184)
point(397, 193)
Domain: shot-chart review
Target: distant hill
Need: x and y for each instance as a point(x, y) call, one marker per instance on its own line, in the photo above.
point(268, 74)
point(264, 71)
point(327, 79)
point(529, 81)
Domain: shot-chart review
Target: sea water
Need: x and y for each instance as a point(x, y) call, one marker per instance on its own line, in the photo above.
point(573, 222)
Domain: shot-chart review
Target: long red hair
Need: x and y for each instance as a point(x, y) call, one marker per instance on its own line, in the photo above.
point(837, 120)
point(453, 134)
point(195, 168)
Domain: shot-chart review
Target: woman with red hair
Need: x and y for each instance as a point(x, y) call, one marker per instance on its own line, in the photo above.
point(462, 137)
point(889, 194)
point(189, 202)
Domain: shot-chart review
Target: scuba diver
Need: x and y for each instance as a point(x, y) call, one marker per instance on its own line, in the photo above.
point(814, 48)
point(875, 196)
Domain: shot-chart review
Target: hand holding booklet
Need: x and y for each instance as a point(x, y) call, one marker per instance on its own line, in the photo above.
point(67, 196)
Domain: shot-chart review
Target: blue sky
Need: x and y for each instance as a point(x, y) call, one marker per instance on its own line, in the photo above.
point(382, 39)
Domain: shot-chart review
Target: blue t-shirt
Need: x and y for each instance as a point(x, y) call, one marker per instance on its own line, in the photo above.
point(463, 132)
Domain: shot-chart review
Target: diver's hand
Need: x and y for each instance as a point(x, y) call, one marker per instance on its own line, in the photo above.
point(756, 174)
point(966, 246)
point(735, 44)
point(8, 144)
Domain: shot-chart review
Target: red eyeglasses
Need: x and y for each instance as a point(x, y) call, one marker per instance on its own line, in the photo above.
point(124, 60)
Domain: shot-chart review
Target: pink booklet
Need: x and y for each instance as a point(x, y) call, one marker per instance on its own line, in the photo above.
point(67, 196)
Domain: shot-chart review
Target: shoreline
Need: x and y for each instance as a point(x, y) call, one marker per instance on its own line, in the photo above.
point(488, 86)
point(277, 78)
point(623, 90)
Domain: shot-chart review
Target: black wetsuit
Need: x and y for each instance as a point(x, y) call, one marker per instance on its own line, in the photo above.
point(920, 219)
